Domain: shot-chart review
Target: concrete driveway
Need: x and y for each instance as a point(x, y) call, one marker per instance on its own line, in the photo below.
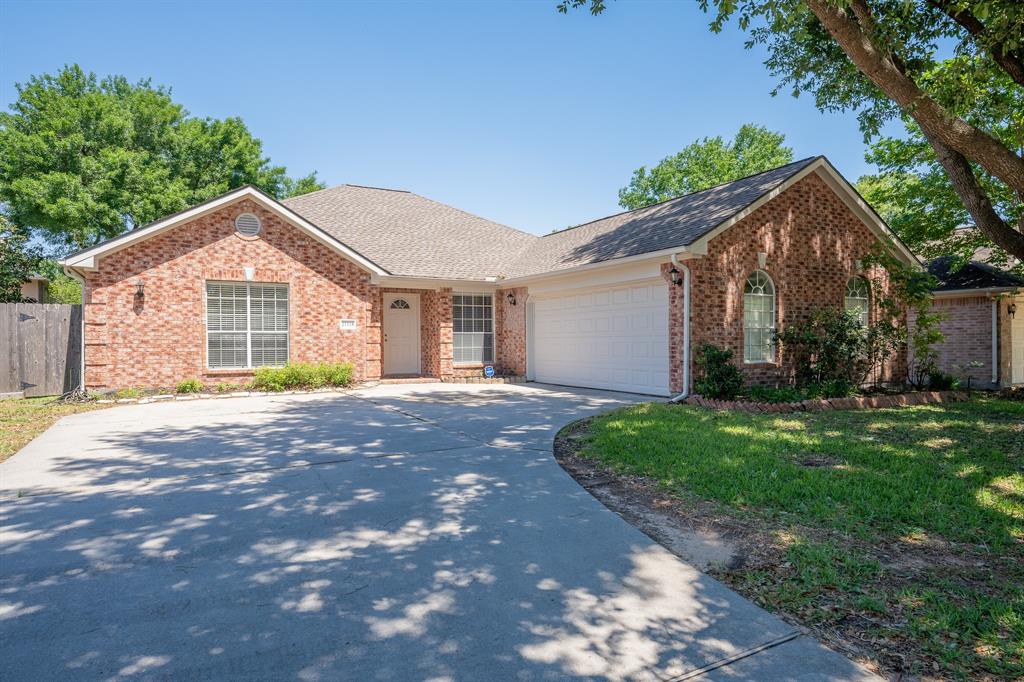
point(417, 532)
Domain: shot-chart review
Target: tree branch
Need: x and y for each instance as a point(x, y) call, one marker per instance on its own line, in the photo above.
point(935, 121)
point(1010, 60)
point(967, 187)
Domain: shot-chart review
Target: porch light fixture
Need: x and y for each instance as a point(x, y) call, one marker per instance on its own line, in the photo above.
point(674, 274)
point(511, 298)
point(140, 289)
point(1012, 309)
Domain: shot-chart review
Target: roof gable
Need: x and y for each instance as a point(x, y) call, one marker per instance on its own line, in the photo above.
point(88, 259)
point(689, 222)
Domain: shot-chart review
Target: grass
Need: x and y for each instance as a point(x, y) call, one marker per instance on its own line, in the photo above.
point(22, 419)
point(906, 524)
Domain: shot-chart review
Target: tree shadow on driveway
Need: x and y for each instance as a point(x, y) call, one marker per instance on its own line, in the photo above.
point(337, 538)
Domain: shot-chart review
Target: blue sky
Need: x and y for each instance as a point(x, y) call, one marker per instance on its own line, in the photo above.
point(507, 109)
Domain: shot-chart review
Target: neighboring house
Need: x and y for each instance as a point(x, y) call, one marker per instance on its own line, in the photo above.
point(984, 322)
point(401, 285)
point(34, 289)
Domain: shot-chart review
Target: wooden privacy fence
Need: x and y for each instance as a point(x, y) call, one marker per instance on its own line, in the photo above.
point(41, 348)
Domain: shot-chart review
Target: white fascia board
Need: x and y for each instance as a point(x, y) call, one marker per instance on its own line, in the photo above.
point(88, 259)
point(690, 251)
point(844, 191)
point(968, 293)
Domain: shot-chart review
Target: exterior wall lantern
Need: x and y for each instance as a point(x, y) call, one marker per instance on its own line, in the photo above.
point(1012, 309)
point(511, 298)
point(674, 275)
point(140, 289)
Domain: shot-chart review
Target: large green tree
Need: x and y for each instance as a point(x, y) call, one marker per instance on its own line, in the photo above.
point(83, 159)
point(18, 260)
point(705, 163)
point(925, 60)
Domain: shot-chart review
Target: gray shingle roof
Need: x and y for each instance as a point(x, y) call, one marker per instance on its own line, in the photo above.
point(669, 224)
point(973, 275)
point(410, 235)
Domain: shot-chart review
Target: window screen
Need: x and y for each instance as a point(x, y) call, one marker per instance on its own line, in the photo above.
point(246, 325)
point(473, 328)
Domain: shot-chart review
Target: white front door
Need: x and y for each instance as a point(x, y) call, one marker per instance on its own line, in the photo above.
point(401, 334)
point(1017, 343)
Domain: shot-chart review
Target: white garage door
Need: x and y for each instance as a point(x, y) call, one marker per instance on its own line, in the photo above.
point(612, 338)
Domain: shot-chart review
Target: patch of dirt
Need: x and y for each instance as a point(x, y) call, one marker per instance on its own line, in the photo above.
point(732, 546)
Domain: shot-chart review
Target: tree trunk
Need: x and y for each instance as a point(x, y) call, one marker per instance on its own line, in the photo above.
point(955, 133)
point(975, 200)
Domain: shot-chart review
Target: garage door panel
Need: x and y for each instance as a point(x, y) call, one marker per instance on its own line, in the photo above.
point(615, 338)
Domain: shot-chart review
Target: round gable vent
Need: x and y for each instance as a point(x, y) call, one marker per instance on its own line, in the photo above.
point(247, 224)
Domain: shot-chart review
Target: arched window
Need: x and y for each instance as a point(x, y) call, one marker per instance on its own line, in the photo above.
point(858, 299)
point(759, 318)
point(400, 304)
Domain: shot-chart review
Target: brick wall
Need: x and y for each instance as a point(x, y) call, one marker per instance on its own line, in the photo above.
point(510, 330)
point(812, 241)
point(160, 339)
point(968, 336)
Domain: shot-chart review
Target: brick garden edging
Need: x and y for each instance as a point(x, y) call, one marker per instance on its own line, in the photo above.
point(822, 405)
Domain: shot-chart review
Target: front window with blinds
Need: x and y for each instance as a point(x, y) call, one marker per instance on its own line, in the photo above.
point(473, 328)
point(858, 299)
point(246, 325)
point(759, 318)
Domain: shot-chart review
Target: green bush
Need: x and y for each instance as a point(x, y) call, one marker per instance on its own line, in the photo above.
point(940, 381)
point(302, 375)
point(227, 387)
point(781, 394)
point(717, 377)
point(190, 386)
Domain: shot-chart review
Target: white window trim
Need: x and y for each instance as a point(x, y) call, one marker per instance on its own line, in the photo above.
point(494, 336)
point(248, 326)
point(772, 349)
point(866, 298)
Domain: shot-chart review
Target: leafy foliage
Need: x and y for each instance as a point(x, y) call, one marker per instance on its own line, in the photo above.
point(189, 386)
point(18, 260)
point(955, 68)
point(912, 191)
point(83, 159)
point(705, 163)
point(302, 375)
point(831, 346)
point(717, 377)
point(60, 288)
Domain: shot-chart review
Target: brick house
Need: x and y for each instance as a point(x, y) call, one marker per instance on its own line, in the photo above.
point(400, 285)
point(984, 332)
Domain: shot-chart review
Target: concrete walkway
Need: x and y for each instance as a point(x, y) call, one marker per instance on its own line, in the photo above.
point(419, 532)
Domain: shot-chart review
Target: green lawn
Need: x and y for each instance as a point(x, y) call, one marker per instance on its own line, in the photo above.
point(905, 524)
point(22, 419)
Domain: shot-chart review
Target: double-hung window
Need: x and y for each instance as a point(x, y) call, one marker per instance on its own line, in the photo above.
point(858, 299)
point(473, 328)
point(246, 325)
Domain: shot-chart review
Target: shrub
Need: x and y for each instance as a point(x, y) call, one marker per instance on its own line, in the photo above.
point(831, 346)
point(302, 375)
point(940, 381)
point(190, 386)
point(781, 394)
point(227, 387)
point(717, 377)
